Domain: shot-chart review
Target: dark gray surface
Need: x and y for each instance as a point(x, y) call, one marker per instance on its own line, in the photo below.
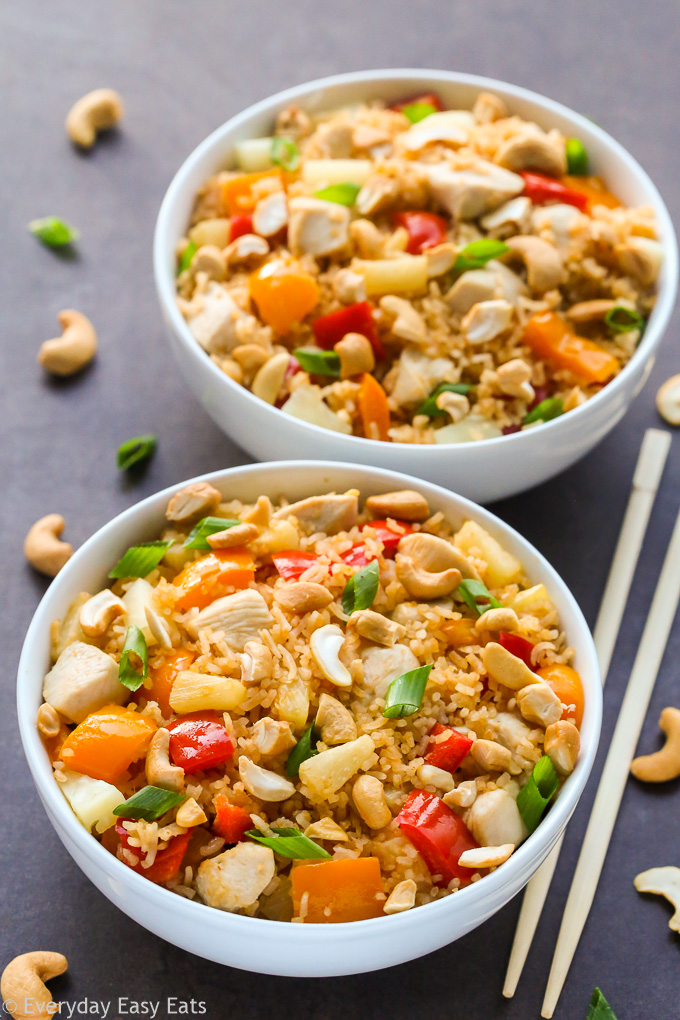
point(182, 69)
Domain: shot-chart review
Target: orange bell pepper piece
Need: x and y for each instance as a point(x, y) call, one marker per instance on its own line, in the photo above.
point(164, 676)
point(566, 683)
point(105, 744)
point(594, 190)
point(549, 337)
point(338, 890)
point(373, 408)
point(211, 577)
point(460, 633)
point(241, 194)
point(283, 293)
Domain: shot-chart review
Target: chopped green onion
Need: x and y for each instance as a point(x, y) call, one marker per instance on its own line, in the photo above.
point(318, 362)
point(478, 253)
point(416, 112)
point(136, 450)
point(302, 751)
point(551, 407)
point(140, 559)
point(53, 232)
point(405, 693)
point(149, 803)
point(285, 153)
point(577, 157)
point(186, 257)
point(599, 1008)
point(290, 843)
point(361, 588)
point(470, 591)
point(341, 194)
point(198, 536)
point(622, 320)
point(135, 644)
point(533, 799)
point(429, 406)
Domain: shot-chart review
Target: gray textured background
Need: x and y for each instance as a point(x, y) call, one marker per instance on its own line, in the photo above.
point(183, 68)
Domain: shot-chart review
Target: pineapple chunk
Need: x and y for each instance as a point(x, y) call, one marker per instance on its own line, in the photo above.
point(406, 274)
point(532, 600)
point(195, 692)
point(92, 800)
point(329, 770)
point(501, 566)
point(254, 154)
point(293, 703)
point(319, 173)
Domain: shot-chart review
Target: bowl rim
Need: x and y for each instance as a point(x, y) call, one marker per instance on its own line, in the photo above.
point(31, 672)
point(656, 325)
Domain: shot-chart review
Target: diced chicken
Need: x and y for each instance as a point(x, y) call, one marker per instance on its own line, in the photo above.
point(239, 617)
point(335, 140)
point(334, 721)
point(272, 736)
point(82, 680)
point(534, 149)
point(509, 285)
point(270, 214)
point(512, 216)
point(470, 288)
point(330, 513)
point(378, 193)
point(418, 375)
point(467, 194)
point(316, 227)
point(486, 320)
point(512, 732)
point(557, 222)
point(349, 287)
point(383, 665)
point(235, 879)
point(213, 318)
point(494, 819)
point(193, 502)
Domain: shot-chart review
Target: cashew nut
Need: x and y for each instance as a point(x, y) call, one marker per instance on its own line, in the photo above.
point(488, 108)
point(486, 856)
point(99, 612)
point(43, 548)
point(662, 882)
point(335, 722)
point(376, 627)
point(97, 111)
point(491, 756)
point(404, 505)
point(23, 983)
point(325, 645)
point(428, 566)
point(542, 260)
point(562, 744)
point(326, 828)
point(514, 378)
point(664, 764)
point(190, 813)
point(641, 258)
point(193, 502)
point(210, 260)
point(250, 357)
point(159, 770)
point(539, 704)
point(464, 795)
point(348, 286)
point(486, 320)
point(592, 311)
point(402, 897)
point(356, 355)
point(239, 534)
point(506, 668)
point(440, 259)
point(263, 783)
point(668, 400)
point(272, 736)
point(368, 795)
point(302, 597)
point(48, 721)
point(456, 405)
point(256, 662)
point(269, 379)
point(430, 775)
point(533, 149)
point(503, 618)
point(247, 248)
point(74, 349)
point(408, 324)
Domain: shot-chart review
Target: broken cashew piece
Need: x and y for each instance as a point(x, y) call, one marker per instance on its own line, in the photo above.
point(668, 400)
point(664, 764)
point(74, 349)
point(23, 983)
point(94, 112)
point(43, 548)
point(662, 882)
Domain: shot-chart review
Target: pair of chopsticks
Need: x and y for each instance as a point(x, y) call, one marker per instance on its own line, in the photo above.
point(646, 480)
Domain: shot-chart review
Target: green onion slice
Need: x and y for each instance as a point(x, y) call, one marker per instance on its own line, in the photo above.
point(135, 644)
point(290, 843)
point(599, 1008)
point(140, 559)
point(416, 112)
point(53, 232)
point(472, 591)
point(149, 803)
point(533, 799)
point(285, 153)
point(304, 749)
point(361, 588)
point(186, 257)
point(136, 450)
point(405, 694)
point(551, 407)
point(341, 194)
point(622, 320)
point(318, 362)
point(198, 536)
point(577, 157)
point(429, 406)
point(478, 253)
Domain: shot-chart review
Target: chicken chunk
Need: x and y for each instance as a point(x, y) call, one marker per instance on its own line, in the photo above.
point(467, 194)
point(383, 665)
point(418, 375)
point(240, 617)
point(193, 502)
point(330, 513)
point(494, 819)
point(82, 680)
point(512, 732)
point(470, 288)
point(316, 227)
point(216, 321)
point(235, 879)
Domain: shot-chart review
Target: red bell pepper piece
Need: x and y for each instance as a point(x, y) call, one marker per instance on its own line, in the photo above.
point(540, 189)
point(357, 556)
point(518, 646)
point(199, 741)
point(358, 318)
point(240, 224)
point(447, 747)
point(427, 98)
point(167, 862)
point(438, 834)
point(231, 821)
point(425, 230)
point(291, 563)
point(389, 538)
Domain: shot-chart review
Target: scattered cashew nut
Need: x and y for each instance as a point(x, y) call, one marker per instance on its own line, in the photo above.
point(43, 548)
point(662, 882)
point(23, 983)
point(159, 769)
point(506, 668)
point(325, 645)
point(48, 720)
point(427, 566)
point(486, 856)
point(302, 597)
point(94, 112)
point(543, 262)
point(356, 355)
point(668, 400)
point(99, 612)
point(664, 764)
point(74, 349)
point(405, 505)
point(402, 897)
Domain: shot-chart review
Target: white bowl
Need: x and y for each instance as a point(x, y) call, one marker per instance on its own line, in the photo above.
point(271, 947)
point(483, 471)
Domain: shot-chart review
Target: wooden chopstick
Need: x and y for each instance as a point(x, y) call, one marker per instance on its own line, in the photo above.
point(646, 479)
point(615, 772)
